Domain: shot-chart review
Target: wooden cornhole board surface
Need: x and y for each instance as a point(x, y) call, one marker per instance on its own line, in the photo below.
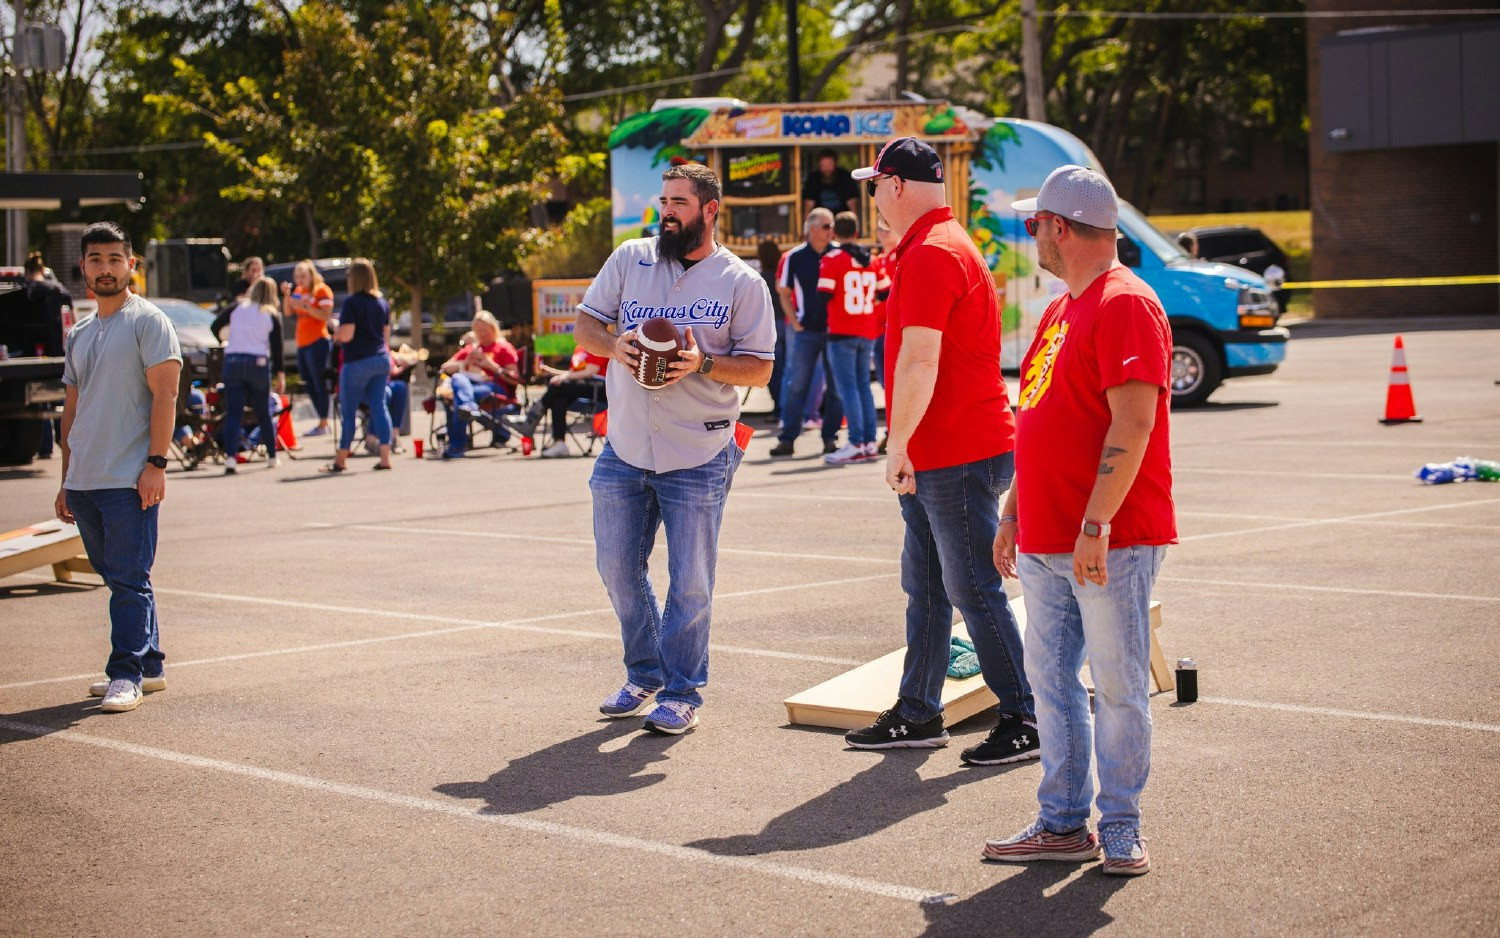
point(855, 698)
point(51, 542)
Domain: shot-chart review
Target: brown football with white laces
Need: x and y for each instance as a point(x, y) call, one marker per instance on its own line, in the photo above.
point(660, 346)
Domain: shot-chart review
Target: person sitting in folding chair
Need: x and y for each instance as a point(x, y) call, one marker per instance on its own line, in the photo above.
point(487, 369)
point(582, 383)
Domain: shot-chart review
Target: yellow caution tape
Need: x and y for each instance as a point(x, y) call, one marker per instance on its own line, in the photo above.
point(1394, 282)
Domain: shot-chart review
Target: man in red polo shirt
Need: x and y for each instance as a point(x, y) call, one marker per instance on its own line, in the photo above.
point(948, 458)
point(1091, 525)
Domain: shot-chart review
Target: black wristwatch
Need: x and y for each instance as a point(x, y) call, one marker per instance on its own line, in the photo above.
point(708, 364)
point(159, 462)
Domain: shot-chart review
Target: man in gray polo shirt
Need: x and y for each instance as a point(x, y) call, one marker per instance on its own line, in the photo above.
point(118, 416)
point(671, 452)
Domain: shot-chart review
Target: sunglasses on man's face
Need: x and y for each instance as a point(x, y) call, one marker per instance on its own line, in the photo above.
point(870, 184)
point(1035, 222)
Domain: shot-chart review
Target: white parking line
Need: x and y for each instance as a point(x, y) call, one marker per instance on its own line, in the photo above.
point(691, 855)
point(461, 625)
point(1346, 519)
point(1350, 590)
point(587, 542)
point(1291, 474)
point(1355, 714)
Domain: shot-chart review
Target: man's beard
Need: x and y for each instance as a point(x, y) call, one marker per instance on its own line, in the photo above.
point(120, 286)
point(685, 240)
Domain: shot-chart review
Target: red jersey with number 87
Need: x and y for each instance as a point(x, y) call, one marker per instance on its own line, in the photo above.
point(851, 295)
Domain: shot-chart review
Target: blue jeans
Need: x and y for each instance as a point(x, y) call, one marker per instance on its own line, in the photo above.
point(363, 382)
point(948, 561)
point(807, 349)
point(850, 357)
point(778, 364)
point(120, 540)
point(398, 404)
point(1110, 625)
point(312, 362)
point(243, 376)
point(666, 647)
point(467, 393)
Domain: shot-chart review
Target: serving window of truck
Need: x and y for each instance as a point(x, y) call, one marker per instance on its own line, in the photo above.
point(765, 155)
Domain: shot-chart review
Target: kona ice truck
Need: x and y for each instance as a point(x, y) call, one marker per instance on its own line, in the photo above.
point(1223, 318)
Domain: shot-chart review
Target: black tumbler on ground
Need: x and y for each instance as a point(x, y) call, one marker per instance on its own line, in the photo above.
point(1187, 680)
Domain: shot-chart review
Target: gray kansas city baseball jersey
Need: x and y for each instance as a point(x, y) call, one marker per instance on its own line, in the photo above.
point(727, 304)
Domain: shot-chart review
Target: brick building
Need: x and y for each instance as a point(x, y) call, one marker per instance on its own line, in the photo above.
point(1404, 159)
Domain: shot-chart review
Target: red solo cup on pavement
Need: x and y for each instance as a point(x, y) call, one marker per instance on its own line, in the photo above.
point(416, 448)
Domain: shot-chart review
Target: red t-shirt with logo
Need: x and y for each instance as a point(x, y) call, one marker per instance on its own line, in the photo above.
point(943, 283)
point(851, 294)
point(1115, 332)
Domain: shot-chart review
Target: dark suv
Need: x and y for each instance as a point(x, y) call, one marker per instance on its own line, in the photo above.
point(1241, 246)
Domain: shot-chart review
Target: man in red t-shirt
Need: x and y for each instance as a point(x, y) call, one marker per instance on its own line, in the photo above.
point(1090, 515)
point(845, 278)
point(949, 459)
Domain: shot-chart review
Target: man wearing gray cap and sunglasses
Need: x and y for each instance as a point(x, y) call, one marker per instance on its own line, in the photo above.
point(1086, 525)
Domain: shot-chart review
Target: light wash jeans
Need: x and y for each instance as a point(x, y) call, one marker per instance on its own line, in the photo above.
point(363, 381)
point(947, 561)
point(120, 540)
point(666, 646)
point(1109, 625)
point(850, 357)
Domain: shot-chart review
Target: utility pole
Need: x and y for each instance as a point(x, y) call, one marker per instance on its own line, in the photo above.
point(1031, 63)
point(793, 65)
point(15, 136)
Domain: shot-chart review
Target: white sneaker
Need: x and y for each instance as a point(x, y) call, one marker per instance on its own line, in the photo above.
point(274, 462)
point(872, 450)
point(149, 685)
point(557, 450)
point(120, 696)
point(846, 454)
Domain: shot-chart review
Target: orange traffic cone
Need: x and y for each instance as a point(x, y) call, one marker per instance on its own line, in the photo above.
point(1399, 406)
point(286, 437)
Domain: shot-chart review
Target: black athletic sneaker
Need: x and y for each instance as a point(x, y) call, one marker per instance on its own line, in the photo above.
point(782, 449)
point(1012, 740)
point(893, 731)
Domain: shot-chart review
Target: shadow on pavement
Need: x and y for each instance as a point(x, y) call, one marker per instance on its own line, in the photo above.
point(50, 588)
point(1019, 904)
point(1221, 407)
point(576, 768)
point(1334, 328)
point(888, 792)
point(48, 720)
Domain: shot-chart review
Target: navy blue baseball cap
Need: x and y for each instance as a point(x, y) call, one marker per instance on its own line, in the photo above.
point(907, 157)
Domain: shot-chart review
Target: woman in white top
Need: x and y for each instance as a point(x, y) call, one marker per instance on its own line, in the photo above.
point(252, 352)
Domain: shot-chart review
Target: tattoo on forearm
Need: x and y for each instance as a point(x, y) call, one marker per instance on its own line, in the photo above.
point(1110, 452)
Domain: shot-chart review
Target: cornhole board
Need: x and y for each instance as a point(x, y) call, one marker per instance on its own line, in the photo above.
point(855, 698)
point(51, 542)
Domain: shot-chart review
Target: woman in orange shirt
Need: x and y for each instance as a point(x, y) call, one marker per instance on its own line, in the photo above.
point(311, 300)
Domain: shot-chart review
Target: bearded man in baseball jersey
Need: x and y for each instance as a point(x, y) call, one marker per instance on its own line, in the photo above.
point(671, 452)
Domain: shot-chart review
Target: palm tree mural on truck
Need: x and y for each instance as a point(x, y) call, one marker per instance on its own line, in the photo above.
point(647, 141)
point(995, 234)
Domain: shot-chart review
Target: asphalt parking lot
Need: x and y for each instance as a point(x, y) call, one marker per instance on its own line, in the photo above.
point(381, 713)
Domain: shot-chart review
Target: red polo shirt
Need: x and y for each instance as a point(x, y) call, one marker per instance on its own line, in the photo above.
point(943, 283)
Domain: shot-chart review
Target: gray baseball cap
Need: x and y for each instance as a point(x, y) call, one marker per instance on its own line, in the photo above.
point(1077, 194)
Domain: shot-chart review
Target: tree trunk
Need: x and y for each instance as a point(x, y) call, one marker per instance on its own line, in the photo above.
point(314, 242)
point(903, 47)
